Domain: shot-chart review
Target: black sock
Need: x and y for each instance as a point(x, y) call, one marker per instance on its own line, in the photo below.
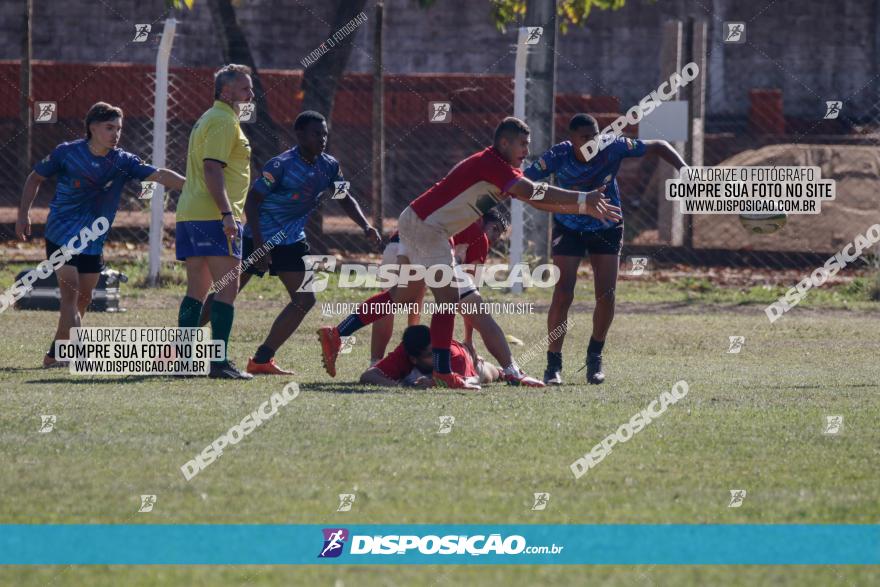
point(264, 354)
point(222, 316)
point(189, 312)
point(554, 360)
point(595, 346)
point(51, 352)
point(442, 360)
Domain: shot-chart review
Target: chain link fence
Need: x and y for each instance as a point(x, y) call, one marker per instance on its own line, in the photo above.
point(421, 148)
point(73, 88)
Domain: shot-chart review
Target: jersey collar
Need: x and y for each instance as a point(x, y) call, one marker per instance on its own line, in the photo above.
point(296, 151)
point(498, 154)
point(225, 107)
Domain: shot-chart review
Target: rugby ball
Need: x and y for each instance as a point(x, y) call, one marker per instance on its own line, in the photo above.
point(763, 223)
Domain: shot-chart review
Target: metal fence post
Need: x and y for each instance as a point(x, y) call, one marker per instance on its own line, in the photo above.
point(160, 128)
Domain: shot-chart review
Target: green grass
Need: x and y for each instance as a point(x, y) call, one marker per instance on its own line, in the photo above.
point(751, 420)
point(861, 293)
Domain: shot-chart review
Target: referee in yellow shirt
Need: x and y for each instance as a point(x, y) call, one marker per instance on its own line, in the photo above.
point(208, 234)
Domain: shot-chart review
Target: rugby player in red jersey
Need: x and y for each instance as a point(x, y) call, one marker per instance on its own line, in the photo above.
point(469, 190)
point(410, 364)
point(471, 247)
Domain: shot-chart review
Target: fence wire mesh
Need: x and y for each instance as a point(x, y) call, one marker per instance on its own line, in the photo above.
point(419, 151)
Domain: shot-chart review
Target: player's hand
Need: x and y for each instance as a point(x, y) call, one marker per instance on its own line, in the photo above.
point(262, 262)
point(23, 226)
point(230, 228)
point(371, 233)
point(598, 206)
point(424, 382)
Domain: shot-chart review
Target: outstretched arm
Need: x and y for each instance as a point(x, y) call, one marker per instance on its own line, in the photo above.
point(170, 179)
point(353, 209)
point(554, 199)
point(373, 376)
point(666, 152)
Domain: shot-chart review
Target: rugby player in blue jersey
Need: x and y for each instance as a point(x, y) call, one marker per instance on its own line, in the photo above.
point(576, 235)
point(91, 175)
point(278, 206)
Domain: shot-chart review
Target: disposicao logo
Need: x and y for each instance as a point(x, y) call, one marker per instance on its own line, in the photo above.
point(334, 540)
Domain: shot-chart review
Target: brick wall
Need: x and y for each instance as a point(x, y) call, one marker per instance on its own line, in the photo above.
point(419, 153)
point(813, 51)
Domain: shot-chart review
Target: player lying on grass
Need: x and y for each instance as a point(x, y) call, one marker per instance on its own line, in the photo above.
point(277, 207)
point(468, 191)
point(410, 364)
point(577, 235)
point(91, 175)
point(471, 247)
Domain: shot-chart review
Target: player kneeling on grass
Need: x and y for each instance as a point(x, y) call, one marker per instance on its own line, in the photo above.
point(91, 175)
point(469, 190)
point(278, 207)
point(471, 247)
point(576, 235)
point(411, 363)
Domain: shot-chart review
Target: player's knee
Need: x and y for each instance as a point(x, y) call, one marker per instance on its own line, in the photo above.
point(402, 294)
point(69, 293)
point(563, 296)
point(226, 295)
point(84, 298)
point(304, 299)
point(605, 298)
point(197, 292)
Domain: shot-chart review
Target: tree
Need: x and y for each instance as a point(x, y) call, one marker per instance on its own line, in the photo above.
point(570, 12)
point(321, 79)
point(264, 135)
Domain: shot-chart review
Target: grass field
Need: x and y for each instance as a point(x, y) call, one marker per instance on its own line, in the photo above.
point(751, 421)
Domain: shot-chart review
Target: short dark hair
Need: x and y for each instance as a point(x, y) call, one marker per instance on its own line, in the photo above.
point(510, 126)
point(415, 339)
point(494, 215)
point(101, 112)
point(226, 74)
point(581, 120)
point(306, 117)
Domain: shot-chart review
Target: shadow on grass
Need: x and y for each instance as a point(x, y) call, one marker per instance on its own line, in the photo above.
point(74, 380)
point(21, 369)
point(341, 387)
point(351, 387)
point(347, 387)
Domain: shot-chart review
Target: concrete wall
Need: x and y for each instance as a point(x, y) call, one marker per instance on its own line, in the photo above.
point(814, 50)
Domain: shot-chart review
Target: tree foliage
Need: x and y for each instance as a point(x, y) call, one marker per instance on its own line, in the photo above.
point(571, 12)
point(179, 3)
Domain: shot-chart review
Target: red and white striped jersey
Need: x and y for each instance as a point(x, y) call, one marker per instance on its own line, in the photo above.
point(469, 190)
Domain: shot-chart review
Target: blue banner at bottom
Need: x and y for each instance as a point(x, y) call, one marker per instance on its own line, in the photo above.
point(623, 544)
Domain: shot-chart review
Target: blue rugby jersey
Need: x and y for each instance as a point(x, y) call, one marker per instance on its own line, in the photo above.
point(571, 174)
point(88, 187)
point(292, 188)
